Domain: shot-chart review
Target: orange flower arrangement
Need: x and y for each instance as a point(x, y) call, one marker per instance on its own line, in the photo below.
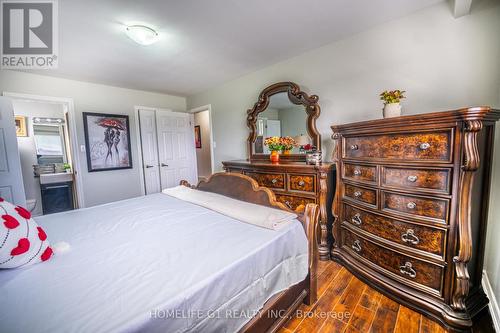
point(276, 143)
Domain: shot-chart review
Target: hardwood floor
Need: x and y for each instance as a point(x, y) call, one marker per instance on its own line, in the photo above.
point(346, 304)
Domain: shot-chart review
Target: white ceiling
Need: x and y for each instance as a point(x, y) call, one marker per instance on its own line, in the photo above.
point(204, 42)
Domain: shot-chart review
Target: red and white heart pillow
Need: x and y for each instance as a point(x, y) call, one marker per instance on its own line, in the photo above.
point(22, 241)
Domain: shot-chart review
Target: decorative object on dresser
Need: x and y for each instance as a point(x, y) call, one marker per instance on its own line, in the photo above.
point(285, 107)
point(411, 208)
point(392, 99)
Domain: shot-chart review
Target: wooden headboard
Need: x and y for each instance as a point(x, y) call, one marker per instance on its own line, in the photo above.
point(244, 188)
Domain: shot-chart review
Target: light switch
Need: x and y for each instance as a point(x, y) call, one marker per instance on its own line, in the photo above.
point(82, 148)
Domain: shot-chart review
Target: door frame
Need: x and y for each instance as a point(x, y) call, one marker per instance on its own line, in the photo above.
point(208, 108)
point(69, 105)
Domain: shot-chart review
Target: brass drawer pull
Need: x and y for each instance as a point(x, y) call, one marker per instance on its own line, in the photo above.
point(411, 205)
point(356, 219)
point(274, 180)
point(357, 172)
point(412, 178)
point(409, 237)
point(356, 246)
point(357, 194)
point(288, 204)
point(354, 147)
point(425, 146)
point(301, 183)
point(407, 269)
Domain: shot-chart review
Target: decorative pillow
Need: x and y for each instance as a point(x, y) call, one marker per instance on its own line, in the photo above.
point(22, 241)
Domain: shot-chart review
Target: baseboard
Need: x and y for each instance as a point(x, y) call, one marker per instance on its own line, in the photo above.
point(493, 305)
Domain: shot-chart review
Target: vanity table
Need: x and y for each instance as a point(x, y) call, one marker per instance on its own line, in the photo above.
point(284, 110)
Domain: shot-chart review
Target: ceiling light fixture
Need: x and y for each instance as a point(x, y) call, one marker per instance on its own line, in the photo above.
point(142, 35)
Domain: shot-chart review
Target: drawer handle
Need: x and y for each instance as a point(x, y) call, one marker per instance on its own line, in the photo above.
point(425, 146)
point(289, 205)
point(411, 205)
point(409, 237)
point(412, 178)
point(354, 147)
point(356, 246)
point(301, 183)
point(274, 180)
point(407, 269)
point(356, 219)
point(357, 172)
point(357, 194)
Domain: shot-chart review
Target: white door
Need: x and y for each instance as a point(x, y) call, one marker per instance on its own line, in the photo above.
point(176, 148)
point(11, 179)
point(149, 144)
point(273, 128)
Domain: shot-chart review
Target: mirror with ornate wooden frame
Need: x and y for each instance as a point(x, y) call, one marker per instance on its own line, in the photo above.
point(283, 110)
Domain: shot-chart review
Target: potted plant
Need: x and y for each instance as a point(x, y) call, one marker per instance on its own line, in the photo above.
point(67, 167)
point(275, 146)
point(288, 143)
point(392, 106)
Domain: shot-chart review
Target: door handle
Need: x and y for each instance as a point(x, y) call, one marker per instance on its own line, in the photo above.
point(149, 166)
point(164, 165)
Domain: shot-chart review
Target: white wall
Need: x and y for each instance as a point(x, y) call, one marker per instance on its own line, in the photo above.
point(105, 186)
point(27, 149)
point(442, 62)
point(203, 154)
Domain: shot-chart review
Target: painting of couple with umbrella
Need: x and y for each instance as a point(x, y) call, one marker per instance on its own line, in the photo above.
point(107, 140)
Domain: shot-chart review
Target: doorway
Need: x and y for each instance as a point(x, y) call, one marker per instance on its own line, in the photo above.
point(204, 141)
point(167, 148)
point(46, 137)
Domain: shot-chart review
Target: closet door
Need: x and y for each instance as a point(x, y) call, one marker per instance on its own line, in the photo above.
point(149, 144)
point(176, 148)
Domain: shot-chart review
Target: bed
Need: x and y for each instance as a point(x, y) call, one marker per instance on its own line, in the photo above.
point(160, 264)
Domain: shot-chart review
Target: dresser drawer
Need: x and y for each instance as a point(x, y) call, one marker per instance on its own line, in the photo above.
point(395, 264)
point(433, 180)
point(271, 180)
point(415, 236)
point(297, 204)
point(428, 146)
point(424, 207)
point(361, 194)
point(302, 183)
point(362, 173)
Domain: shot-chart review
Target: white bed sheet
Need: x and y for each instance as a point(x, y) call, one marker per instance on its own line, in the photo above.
point(133, 262)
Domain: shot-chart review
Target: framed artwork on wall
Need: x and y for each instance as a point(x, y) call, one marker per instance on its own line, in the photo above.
point(197, 136)
point(21, 129)
point(107, 141)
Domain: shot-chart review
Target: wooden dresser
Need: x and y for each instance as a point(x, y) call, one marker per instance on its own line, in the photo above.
point(411, 208)
point(295, 184)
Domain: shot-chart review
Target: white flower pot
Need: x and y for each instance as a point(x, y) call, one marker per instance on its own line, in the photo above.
point(392, 110)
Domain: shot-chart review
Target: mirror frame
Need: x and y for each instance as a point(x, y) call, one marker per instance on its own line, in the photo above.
point(296, 96)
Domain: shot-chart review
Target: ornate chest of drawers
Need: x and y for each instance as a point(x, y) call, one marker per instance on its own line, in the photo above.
point(411, 208)
point(295, 184)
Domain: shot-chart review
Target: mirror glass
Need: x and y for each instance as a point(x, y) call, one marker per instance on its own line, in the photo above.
point(49, 142)
point(281, 118)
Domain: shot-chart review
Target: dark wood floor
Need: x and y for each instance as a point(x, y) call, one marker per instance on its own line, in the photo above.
point(369, 311)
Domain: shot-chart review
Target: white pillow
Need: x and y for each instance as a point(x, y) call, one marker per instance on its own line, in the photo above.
point(262, 216)
point(22, 241)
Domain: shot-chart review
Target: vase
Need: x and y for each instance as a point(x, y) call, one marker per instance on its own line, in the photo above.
point(275, 156)
point(392, 110)
point(287, 152)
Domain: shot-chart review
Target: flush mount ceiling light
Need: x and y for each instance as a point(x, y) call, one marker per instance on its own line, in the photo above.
point(142, 35)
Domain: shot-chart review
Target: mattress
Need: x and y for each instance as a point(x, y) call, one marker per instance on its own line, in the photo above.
point(151, 264)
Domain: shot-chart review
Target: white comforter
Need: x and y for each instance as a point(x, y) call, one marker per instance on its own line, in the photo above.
point(132, 263)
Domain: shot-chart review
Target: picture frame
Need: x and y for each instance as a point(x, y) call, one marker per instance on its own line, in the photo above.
point(197, 136)
point(107, 141)
point(21, 128)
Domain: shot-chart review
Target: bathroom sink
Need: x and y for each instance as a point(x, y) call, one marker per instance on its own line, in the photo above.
point(52, 178)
